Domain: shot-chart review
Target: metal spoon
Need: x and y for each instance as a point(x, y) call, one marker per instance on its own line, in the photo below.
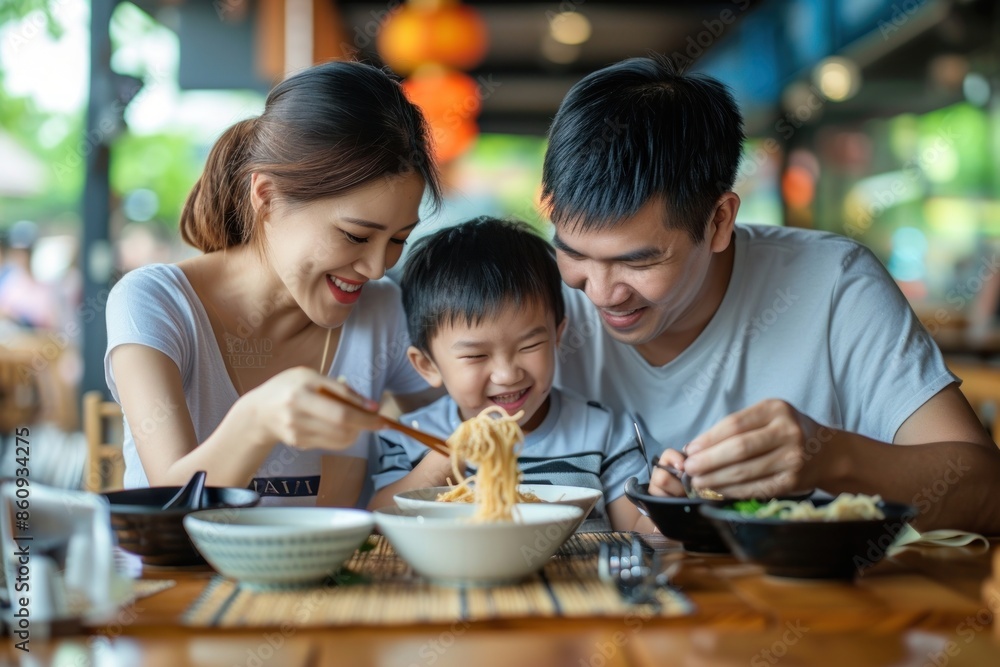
point(642, 448)
point(703, 494)
point(683, 477)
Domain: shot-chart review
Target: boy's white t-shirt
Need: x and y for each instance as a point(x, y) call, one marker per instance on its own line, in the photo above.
point(808, 317)
point(156, 306)
point(579, 443)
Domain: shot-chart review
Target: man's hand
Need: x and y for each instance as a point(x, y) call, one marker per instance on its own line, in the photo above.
point(766, 450)
point(661, 482)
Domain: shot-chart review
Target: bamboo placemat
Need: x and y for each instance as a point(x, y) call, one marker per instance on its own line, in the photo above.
point(389, 593)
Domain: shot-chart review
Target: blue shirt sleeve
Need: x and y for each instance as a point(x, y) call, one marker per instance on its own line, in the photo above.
point(397, 456)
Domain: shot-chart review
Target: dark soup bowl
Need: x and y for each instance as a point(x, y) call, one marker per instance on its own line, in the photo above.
point(678, 519)
point(810, 549)
point(156, 535)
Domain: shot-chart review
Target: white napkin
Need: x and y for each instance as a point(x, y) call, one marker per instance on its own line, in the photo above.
point(910, 537)
point(90, 586)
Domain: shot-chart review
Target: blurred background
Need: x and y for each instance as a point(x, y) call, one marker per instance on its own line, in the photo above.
point(875, 119)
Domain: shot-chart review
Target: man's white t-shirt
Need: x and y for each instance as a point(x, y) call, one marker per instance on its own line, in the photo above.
point(156, 306)
point(809, 317)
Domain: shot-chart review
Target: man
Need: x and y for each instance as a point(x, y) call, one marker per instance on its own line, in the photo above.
point(778, 359)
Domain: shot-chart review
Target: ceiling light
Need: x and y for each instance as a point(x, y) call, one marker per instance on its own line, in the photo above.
point(838, 78)
point(570, 28)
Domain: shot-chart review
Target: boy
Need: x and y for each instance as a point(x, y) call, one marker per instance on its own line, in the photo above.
point(485, 312)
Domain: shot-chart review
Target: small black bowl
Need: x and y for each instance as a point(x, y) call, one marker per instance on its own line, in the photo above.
point(156, 535)
point(678, 519)
point(811, 549)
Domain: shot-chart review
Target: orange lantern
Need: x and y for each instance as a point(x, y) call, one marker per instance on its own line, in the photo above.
point(445, 33)
point(450, 101)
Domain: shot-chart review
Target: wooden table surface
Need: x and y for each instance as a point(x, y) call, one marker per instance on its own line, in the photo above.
point(924, 608)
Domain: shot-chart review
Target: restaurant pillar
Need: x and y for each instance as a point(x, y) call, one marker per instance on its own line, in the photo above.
point(104, 118)
point(294, 34)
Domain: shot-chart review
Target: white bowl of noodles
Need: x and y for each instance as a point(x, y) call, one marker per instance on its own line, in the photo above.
point(427, 499)
point(456, 551)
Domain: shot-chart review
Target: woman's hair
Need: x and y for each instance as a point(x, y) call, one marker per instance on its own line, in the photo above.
point(475, 271)
point(640, 129)
point(324, 131)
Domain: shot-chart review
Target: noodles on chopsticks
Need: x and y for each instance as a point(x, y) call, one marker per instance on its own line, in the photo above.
point(491, 440)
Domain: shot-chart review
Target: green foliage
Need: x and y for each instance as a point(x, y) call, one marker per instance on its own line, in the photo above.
point(167, 164)
point(13, 10)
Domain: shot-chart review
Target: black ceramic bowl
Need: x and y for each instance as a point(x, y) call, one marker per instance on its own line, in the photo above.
point(678, 519)
point(811, 549)
point(158, 536)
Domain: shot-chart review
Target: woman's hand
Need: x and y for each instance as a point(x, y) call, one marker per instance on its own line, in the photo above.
point(291, 410)
point(766, 450)
point(661, 482)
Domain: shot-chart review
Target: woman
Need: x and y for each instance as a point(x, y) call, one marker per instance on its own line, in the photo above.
point(217, 360)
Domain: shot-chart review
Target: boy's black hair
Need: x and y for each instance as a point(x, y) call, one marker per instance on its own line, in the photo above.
point(477, 270)
point(638, 129)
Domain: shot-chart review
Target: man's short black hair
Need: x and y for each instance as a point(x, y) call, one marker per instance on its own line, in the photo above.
point(635, 130)
point(477, 270)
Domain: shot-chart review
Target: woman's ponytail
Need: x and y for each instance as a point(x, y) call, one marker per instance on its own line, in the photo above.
point(216, 214)
point(324, 131)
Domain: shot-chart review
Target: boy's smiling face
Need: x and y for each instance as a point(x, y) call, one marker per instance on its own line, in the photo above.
point(506, 360)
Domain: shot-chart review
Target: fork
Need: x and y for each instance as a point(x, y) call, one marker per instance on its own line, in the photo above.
point(625, 566)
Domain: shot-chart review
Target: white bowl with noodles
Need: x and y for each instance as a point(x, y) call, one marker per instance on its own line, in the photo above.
point(455, 551)
point(426, 499)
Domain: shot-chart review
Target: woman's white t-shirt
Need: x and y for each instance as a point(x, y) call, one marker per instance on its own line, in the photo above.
point(156, 306)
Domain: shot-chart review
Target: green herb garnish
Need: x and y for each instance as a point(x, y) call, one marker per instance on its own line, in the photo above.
point(346, 577)
point(747, 507)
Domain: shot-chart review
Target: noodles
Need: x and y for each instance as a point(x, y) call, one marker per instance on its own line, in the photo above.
point(491, 440)
point(845, 507)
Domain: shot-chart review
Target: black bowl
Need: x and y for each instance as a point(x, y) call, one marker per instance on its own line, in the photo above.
point(811, 549)
point(678, 519)
point(157, 536)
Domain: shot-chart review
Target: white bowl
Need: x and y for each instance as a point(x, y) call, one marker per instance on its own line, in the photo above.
point(426, 499)
point(453, 551)
point(265, 547)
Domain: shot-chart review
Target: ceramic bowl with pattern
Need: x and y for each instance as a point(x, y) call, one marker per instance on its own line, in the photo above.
point(267, 547)
point(454, 551)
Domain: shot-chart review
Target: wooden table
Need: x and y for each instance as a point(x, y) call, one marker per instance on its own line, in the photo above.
point(923, 609)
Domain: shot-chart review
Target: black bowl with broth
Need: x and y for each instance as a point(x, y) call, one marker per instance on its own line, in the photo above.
point(811, 549)
point(156, 535)
point(681, 519)
point(678, 519)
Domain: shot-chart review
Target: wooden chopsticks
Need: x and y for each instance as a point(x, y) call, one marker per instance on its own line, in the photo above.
point(426, 439)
